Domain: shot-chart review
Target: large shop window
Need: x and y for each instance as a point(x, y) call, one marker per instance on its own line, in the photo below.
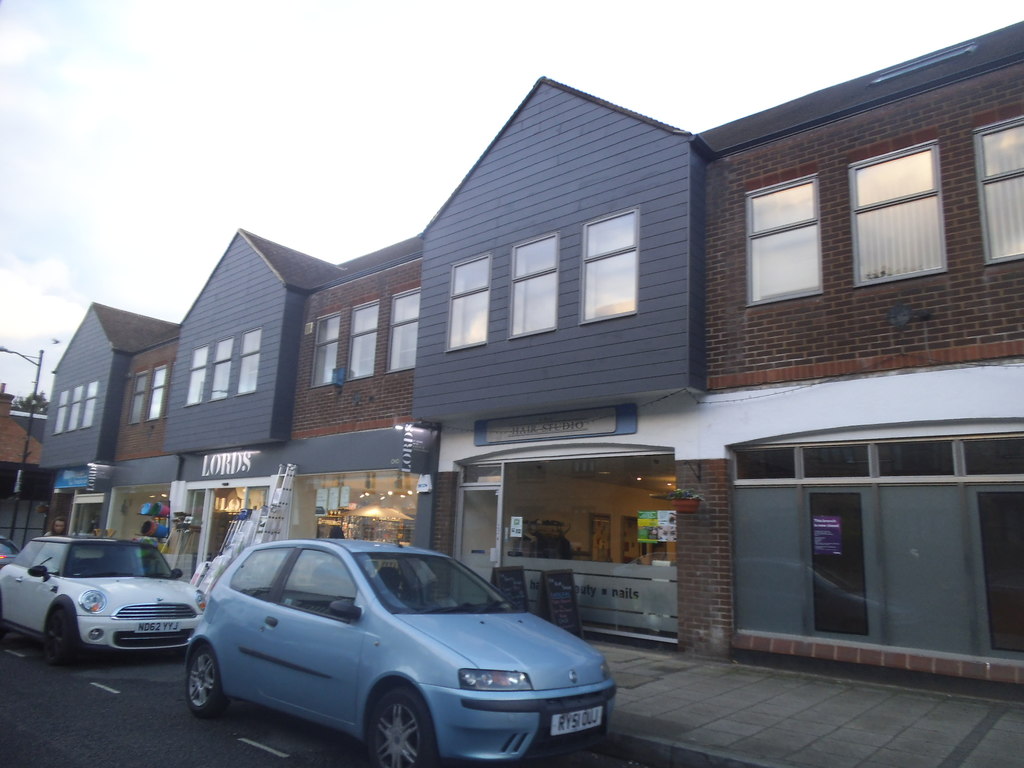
point(373, 506)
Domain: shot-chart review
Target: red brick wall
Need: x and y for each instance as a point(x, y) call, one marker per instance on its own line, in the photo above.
point(382, 400)
point(12, 434)
point(704, 561)
point(975, 309)
point(145, 439)
point(443, 534)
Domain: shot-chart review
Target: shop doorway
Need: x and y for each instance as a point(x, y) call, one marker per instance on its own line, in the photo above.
point(481, 529)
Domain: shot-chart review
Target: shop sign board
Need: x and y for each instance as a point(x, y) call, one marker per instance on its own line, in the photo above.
point(511, 582)
point(588, 422)
point(558, 601)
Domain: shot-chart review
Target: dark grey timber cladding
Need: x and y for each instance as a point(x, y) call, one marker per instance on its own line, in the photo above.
point(562, 161)
point(89, 357)
point(242, 294)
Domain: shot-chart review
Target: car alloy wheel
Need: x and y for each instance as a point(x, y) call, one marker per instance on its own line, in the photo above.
point(59, 639)
point(203, 690)
point(402, 734)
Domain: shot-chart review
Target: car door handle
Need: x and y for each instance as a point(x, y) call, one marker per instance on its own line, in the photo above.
point(270, 621)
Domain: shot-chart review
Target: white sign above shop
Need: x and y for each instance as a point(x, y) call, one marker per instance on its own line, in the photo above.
point(589, 422)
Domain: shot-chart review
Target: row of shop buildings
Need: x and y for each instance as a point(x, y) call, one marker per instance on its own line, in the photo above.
point(812, 316)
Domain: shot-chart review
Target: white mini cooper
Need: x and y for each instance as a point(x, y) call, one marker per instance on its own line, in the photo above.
point(80, 594)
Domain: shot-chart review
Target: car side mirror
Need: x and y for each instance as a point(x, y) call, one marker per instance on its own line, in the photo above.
point(40, 572)
point(345, 608)
point(175, 573)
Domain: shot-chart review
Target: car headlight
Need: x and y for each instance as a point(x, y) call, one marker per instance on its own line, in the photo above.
point(494, 680)
point(92, 601)
point(201, 599)
point(606, 671)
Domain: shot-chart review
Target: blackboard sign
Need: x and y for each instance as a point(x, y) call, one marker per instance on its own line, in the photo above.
point(511, 582)
point(558, 601)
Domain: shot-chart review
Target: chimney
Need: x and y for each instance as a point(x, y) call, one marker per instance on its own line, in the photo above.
point(5, 402)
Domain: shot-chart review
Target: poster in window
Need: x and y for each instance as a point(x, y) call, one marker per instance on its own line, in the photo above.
point(656, 525)
point(828, 534)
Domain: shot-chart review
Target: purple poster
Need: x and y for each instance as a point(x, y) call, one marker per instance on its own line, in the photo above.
point(828, 535)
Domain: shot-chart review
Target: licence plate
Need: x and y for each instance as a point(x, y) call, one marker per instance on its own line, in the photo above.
point(157, 626)
point(580, 720)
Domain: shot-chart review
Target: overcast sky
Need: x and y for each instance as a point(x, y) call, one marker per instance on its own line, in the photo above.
point(137, 136)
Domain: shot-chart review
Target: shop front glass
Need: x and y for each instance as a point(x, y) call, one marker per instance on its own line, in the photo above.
point(603, 518)
point(140, 510)
point(87, 516)
point(373, 506)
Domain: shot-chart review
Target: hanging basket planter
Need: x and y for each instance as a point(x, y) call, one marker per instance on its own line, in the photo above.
point(686, 506)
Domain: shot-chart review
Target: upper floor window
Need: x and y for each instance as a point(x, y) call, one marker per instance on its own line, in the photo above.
point(610, 267)
point(156, 398)
point(62, 412)
point(222, 369)
point(364, 341)
point(76, 407)
point(139, 397)
point(1001, 171)
point(897, 215)
point(784, 251)
point(197, 376)
point(250, 365)
point(470, 303)
point(405, 316)
point(535, 286)
point(77, 395)
point(89, 406)
point(326, 356)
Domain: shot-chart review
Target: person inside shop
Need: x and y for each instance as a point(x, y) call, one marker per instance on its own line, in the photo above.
point(59, 527)
point(336, 532)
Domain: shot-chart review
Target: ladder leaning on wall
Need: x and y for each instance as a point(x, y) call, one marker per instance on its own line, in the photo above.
point(268, 523)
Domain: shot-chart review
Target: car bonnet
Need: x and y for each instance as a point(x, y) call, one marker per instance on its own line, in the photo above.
point(517, 642)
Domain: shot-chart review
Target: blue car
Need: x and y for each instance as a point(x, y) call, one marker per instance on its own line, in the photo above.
point(404, 648)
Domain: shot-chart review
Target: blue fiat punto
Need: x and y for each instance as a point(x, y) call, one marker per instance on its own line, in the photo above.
point(404, 648)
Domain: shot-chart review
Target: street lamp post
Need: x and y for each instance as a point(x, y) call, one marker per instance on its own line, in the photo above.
point(38, 363)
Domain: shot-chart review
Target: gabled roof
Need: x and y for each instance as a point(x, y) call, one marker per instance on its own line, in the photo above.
point(542, 82)
point(971, 58)
point(292, 267)
point(130, 332)
point(392, 255)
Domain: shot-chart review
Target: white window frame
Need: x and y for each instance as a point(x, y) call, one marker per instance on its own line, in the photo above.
point(402, 353)
point(77, 395)
point(139, 397)
point(325, 354)
point(197, 375)
point(594, 256)
point(62, 412)
point(249, 364)
point(476, 297)
point(1009, 181)
point(523, 277)
point(221, 384)
point(781, 231)
point(159, 389)
point(362, 357)
point(89, 404)
point(894, 206)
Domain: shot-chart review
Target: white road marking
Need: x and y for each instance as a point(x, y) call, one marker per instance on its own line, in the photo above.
point(14, 653)
point(106, 688)
point(264, 747)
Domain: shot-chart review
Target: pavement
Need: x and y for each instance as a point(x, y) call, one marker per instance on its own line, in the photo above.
point(677, 711)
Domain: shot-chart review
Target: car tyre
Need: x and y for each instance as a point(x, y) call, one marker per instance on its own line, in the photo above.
point(401, 732)
point(60, 640)
point(203, 690)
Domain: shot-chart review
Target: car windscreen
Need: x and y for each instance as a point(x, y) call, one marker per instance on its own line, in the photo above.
point(407, 582)
point(95, 560)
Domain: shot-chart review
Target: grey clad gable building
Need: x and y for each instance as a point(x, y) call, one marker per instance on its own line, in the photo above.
point(808, 318)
